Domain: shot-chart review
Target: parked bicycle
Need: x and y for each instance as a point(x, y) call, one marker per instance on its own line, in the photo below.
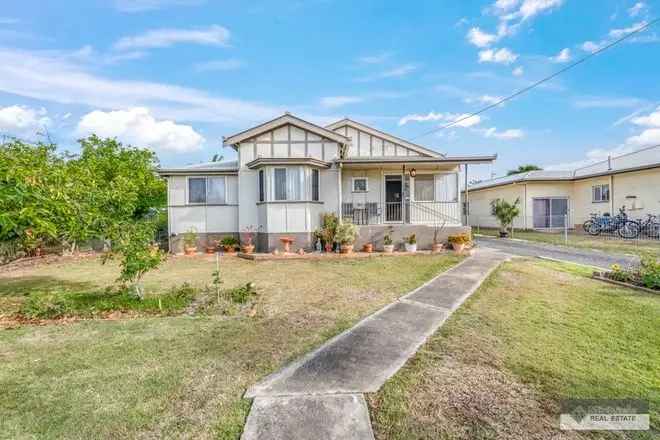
point(650, 227)
point(619, 224)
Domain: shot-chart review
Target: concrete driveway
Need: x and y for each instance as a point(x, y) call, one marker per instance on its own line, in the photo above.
point(527, 248)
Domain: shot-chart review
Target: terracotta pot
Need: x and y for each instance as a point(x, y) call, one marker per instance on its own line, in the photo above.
point(410, 247)
point(388, 248)
point(458, 247)
point(248, 248)
point(210, 249)
point(229, 249)
point(328, 247)
point(346, 248)
point(190, 250)
point(437, 247)
point(368, 248)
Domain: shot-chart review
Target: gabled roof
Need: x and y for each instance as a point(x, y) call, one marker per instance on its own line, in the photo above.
point(228, 167)
point(375, 132)
point(285, 119)
point(643, 159)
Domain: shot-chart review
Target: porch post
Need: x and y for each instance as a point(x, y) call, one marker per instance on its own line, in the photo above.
point(467, 199)
point(339, 195)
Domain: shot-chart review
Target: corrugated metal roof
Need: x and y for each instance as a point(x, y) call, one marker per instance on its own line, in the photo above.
point(640, 159)
point(230, 165)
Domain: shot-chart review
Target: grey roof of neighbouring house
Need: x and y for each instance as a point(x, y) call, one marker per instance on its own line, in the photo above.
point(230, 166)
point(637, 160)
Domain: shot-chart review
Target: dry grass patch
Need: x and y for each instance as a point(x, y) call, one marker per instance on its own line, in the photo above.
point(534, 333)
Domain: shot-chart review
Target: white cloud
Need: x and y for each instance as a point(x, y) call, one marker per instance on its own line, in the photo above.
point(618, 33)
point(339, 101)
point(132, 6)
point(503, 56)
point(606, 102)
point(563, 56)
point(212, 36)
point(51, 78)
point(66, 116)
point(22, 121)
point(509, 134)
point(398, 71)
point(506, 5)
point(375, 59)
point(590, 46)
point(218, 65)
point(518, 71)
point(138, 127)
point(637, 9)
point(444, 117)
point(651, 120)
point(484, 99)
point(479, 38)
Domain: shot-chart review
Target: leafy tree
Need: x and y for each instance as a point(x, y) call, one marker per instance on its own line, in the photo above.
point(505, 212)
point(524, 169)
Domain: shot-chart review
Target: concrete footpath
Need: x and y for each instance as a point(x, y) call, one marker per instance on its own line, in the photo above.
point(320, 395)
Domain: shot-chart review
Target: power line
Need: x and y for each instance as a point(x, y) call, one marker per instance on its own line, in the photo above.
point(541, 81)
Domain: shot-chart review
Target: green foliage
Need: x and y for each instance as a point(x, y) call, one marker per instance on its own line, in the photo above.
point(346, 233)
point(524, 169)
point(241, 295)
point(505, 212)
point(617, 273)
point(229, 241)
point(649, 272)
point(329, 222)
point(411, 239)
point(387, 239)
point(190, 238)
point(459, 239)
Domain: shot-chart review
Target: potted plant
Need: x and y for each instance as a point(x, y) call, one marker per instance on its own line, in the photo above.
point(248, 234)
point(437, 244)
point(410, 243)
point(505, 213)
point(190, 242)
point(211, 246)
point(345, 235)
point(328, 230)
point(459, 241)
point(388, 246)
point(229, 244)
point(369, 245)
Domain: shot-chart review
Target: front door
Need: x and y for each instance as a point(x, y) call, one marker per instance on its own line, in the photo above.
point(393, 199)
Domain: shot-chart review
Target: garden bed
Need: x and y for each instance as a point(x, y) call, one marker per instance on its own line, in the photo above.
point(606, 276)
point(333, 255)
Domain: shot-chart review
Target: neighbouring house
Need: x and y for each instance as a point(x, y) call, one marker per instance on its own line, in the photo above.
point(548, 198)
point(290, 171)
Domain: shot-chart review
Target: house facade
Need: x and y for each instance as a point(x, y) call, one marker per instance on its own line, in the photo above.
point(290, 171)
point(550, 198)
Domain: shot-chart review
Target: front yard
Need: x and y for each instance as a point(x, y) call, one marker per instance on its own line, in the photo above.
point(165, 374)
point(613, 244)
point(534, 333)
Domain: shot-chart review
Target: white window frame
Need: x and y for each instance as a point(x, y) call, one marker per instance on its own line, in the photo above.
point(305, 184)
point(436, 197)
point(311, 184)
point(600, 187)
point(206, 196)
point(366, 184)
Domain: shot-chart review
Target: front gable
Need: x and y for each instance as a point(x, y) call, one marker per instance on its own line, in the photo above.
point(369, 142)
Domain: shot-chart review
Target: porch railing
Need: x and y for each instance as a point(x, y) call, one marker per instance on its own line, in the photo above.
point(425, 213)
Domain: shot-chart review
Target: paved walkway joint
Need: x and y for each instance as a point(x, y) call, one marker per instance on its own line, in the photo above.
point(320, 395)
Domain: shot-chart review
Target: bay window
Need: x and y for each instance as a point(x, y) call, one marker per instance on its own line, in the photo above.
point(288, 183)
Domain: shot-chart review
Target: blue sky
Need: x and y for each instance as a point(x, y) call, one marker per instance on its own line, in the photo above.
point(177, 75)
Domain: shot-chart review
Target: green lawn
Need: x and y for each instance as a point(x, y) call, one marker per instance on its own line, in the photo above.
point(535, 332)
point(606, 244)
point(174, 375)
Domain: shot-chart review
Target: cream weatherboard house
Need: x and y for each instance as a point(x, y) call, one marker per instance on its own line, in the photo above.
point(550, 198)
point(290, 171)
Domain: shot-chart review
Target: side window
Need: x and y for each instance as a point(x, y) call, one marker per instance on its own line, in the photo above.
point(360, 184)
point(197, 190)
point(315, 185)
point(600, 193)
point(215, 190)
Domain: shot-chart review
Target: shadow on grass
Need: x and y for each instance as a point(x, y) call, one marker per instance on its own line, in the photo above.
point(26, 285)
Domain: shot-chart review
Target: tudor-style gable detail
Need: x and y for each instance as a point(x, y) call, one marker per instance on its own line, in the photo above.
point(369, 142)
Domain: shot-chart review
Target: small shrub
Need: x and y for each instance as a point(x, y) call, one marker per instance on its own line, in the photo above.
point(50, 306)
point(412, 239)
point(229, 241)
point(190, 238)
point(649, 272)
point(619, 274)
point(459, 239)
point(242, 294)
point(346, 233)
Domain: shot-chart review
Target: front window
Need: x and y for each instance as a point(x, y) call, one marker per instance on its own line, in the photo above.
point(447, 187)
point(601, 193)
point(262, 184)
point(424, 191)
point(360, 184)
point(315, 185)
point(207, 190)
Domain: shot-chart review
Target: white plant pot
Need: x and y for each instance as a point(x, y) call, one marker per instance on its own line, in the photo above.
point(388, 248)
point(411, 247)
